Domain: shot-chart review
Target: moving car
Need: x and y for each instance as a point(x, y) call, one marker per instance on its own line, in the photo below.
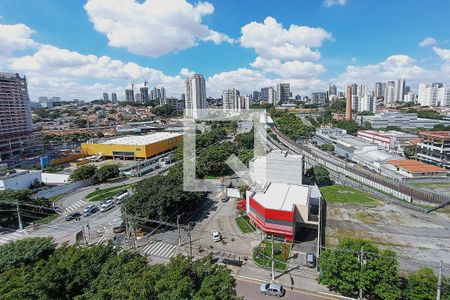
point(122, 196)
point(107, 205)
point(310, 260)
point(73, 216)
point(92, 210)
point(272, 289)
point(217, 236)
point(87, 208)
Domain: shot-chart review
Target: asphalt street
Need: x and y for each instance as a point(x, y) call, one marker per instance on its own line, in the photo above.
point(250, 290)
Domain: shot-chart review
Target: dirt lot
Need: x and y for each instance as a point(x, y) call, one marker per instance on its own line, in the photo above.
point(418, 238)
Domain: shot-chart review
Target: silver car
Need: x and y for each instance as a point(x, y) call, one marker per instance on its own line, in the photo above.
point(272, 289)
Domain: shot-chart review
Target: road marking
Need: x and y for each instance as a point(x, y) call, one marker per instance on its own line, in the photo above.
point(160, 249)
point(4, 239)
point(75, 205)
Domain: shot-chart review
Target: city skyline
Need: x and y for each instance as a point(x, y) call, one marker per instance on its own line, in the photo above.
point(267, 46)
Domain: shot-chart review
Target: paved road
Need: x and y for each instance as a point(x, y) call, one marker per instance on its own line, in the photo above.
point(250, 290)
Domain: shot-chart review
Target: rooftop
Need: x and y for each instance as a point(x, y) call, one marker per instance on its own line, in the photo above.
point(282, 196)
point(436, 134)
point(414, 166)
point(393, 133)
point(141, 140)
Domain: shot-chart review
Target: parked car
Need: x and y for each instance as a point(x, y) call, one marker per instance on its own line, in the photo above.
point(272, 289)
point(107, 205)
point(310, 260)
point(92, 210)
point(217, 236)
point(73, 216)
point(225, 199)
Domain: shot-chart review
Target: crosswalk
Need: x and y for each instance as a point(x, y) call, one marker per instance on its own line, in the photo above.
point(9, 237)
point(76, 206)
point(159, 249)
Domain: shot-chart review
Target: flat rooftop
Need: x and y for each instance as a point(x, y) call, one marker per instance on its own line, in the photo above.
point(393, 133)
point(414, 166)
point(436, 134)
point(282, 196)
point(141, 140)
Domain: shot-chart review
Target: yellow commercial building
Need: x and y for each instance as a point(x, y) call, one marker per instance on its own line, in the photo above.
point(133, 147)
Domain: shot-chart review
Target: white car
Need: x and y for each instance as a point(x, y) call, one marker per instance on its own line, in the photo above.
point(88, 208)
point(107, 205)
point(217, 236)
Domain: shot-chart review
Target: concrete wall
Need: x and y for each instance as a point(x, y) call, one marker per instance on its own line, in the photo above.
point(62, 189)
point(53, 178)
point(21, 180)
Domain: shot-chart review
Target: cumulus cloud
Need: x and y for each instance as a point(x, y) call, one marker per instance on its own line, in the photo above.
point(329, 3)
point(289, 69)
point(444, 54)
point(15, 37)
point(428, 41)
point(56, 71)
point(153, 27)
point(271, 40)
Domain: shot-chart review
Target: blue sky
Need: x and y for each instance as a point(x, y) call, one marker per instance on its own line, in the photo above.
point(61, 42)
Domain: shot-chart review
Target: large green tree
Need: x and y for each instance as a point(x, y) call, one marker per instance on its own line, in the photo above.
point(101, 272)
point(106, 172)
point(376, 274)
point(83, 172)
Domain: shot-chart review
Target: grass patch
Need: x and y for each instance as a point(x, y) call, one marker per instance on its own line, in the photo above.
point(366, 218)
point(344, 194)
point(55, 198)
point(244, 224)
point(106, 193)
point(262, 254)
point(47, 219)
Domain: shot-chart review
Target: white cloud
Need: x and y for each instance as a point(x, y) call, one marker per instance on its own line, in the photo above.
point(61, 72)
point(428, 41)
point(444, 54)
point(289, 69)
point(15, 37)
point(271, 40)
point(153, 27)
point(329, 3)
point(248, 80)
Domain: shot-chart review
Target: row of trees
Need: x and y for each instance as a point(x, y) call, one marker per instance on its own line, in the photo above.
point(34, 269)
point(292, 126)
point(358, 265)
point(96, 175)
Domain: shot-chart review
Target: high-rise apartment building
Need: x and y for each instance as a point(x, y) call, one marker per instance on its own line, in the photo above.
point(399, 90)
point(389, 97)
point(271, 96)
point(129, 95)
point(379, 90)
point(113, 97)
point(195, 94)
point(332, 90)
point(144, 94)
point(105, 97)
point(16, 127)
point(319, 98)
point(230, 99)
point(283, 92)
point(368, 103)
point(428, 94)
point(256, 95)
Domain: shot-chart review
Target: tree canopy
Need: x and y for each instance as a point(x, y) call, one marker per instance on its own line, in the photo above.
point(101, 272)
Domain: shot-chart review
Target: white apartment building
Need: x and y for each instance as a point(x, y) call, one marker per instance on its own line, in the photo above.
point(434, 94)
point(399, 90)
point(195, 94)
point(368, 103)
point(389, 97)
point(230, 99)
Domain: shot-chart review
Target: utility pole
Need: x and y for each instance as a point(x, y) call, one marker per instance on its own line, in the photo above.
point(127, 229)
point(190, 240)
point(273, 263)
point(179, 231)
point(361, 261)
point(439, 287)
point(19, 217)
point(134, 233)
